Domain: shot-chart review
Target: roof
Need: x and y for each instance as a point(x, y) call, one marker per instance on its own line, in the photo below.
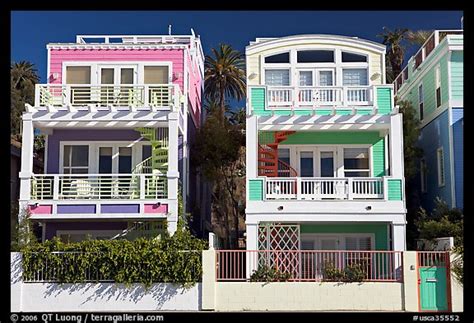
point(269, 42)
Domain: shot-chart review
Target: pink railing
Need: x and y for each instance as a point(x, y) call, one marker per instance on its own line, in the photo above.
point(310, 265)
point(433, 258)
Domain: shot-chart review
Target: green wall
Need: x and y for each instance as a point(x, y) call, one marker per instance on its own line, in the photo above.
point(457, 74)
point(379, 229)
point(255, 190)
point(395, 189)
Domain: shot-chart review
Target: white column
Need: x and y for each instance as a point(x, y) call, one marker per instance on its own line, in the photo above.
point(396, 146)
point(251, 146)
point(399, 236)
point(26, 163)
point(173, 173)
point(252, 244)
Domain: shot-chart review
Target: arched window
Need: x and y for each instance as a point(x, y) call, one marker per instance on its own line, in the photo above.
point(278, 58)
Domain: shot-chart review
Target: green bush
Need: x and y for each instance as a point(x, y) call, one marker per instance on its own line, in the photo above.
point(269, 274)
point(351, 273)
point(175, 259)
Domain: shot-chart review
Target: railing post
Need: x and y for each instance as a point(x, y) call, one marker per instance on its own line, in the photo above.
point(298, 187)
point(67, 95)
point(146, 96)
point(142, 186)
point(56, 187)
point(344, 96)
point(385, 188)
point(350, 188)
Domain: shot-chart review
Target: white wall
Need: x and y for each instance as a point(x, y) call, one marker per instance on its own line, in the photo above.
point(41, 297)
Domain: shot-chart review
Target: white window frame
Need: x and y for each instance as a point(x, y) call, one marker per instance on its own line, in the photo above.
point(422, 101)
point(61, 156)
point(340, 238)
point(316, 149)
point(277, 68)
point(139, 71)
point(352, 66)
point(423, 174)
point(369, 155)
point(117, 74)
point(441, 167)
point(315, 76)
point(93, 167)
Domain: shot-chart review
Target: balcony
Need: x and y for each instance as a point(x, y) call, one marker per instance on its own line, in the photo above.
point(325, 188)
point(105, 97)
point(98, 186)
point(312, 97)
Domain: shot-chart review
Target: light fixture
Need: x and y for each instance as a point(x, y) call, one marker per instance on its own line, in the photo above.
point(368, 207)
point(375, 76)
point(36, 204)
point(252, 76)
point(280, 208)
point(158, 204)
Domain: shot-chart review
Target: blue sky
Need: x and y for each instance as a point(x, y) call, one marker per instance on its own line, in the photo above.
point(32, 30)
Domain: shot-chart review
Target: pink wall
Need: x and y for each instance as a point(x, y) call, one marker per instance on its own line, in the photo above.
point(153, 208)
point(40, 209)
point(58, 56)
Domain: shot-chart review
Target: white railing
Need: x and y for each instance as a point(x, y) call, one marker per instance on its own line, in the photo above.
point(318, 188)
point(159, 96)
point(305, 97)
point(98, 186)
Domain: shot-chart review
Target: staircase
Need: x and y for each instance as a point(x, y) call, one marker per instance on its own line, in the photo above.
point(158, 163)
point(268, 162)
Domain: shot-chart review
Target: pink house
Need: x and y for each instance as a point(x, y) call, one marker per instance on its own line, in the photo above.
point(119, 114)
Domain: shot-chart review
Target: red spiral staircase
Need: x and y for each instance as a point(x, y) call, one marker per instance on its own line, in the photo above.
point(268, 162)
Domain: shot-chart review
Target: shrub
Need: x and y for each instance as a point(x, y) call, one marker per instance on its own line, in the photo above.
point(269, 274)
point(351, 273)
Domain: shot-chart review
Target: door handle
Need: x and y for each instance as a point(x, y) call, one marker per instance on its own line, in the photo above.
point(431, 280)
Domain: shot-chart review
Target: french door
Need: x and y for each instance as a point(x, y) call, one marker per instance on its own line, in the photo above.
point(317, 162)
point(114, 81)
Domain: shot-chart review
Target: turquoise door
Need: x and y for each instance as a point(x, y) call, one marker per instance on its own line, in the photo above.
point(433, 289)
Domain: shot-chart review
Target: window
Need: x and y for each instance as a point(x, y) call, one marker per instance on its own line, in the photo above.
point(424, 178)
point(306, 164)
point(326, 78)
point(277, 77)
point(350, 57)
point(420, 100)
point(315, 56)
point(327, 163)
point(78, 75)
point(76, 159)
point(278, 58)
point(306, 78)
point(358, 243)
point(440, 160)
point(438, 86)
point(155, 75)
point(105, 160)
point(354, 76)
point(356, 162)
point(125, 160)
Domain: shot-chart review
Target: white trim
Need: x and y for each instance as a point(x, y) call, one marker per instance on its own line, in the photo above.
point(76, 46)
point(48, 65)
point(451, 157)
point(45, 163)
point(340, 238)
point(92, 233)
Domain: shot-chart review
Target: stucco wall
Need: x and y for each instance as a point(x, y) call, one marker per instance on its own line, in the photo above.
point(109, 297)
point(235, 296)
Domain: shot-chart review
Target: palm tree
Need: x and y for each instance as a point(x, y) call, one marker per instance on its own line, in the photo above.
point(418, 37)
point(23, 74)
point(395, 48)
point(224, 76)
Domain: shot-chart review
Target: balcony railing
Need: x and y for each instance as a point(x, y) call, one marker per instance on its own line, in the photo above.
point(158, 96)
point(307, 97)
point(314, 188)
point(98, 186)
point(310, 265)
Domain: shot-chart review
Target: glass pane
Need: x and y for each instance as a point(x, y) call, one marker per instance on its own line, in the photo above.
point(315, 56)
point(156, 74)
point(306, 164)
point(325, 78)
point(126, 76)
point(125, 160)
point(354, 76)
point(78, 75)
point(356, 158)
point(306, 78)
point(79, 171)
point(350, 57)
point(146, 152)
point(356, 174)
point(67, 155)
point(107, 76)
point(278, 58)
point(327, 164)
point(80, 155)
point(351, 243)
point(277, 77)
point(105, 160)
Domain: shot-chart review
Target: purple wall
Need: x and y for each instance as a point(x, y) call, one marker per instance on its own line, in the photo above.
point(52, 227)
point(83, 135)
point(76, 209)
point(120, 208)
